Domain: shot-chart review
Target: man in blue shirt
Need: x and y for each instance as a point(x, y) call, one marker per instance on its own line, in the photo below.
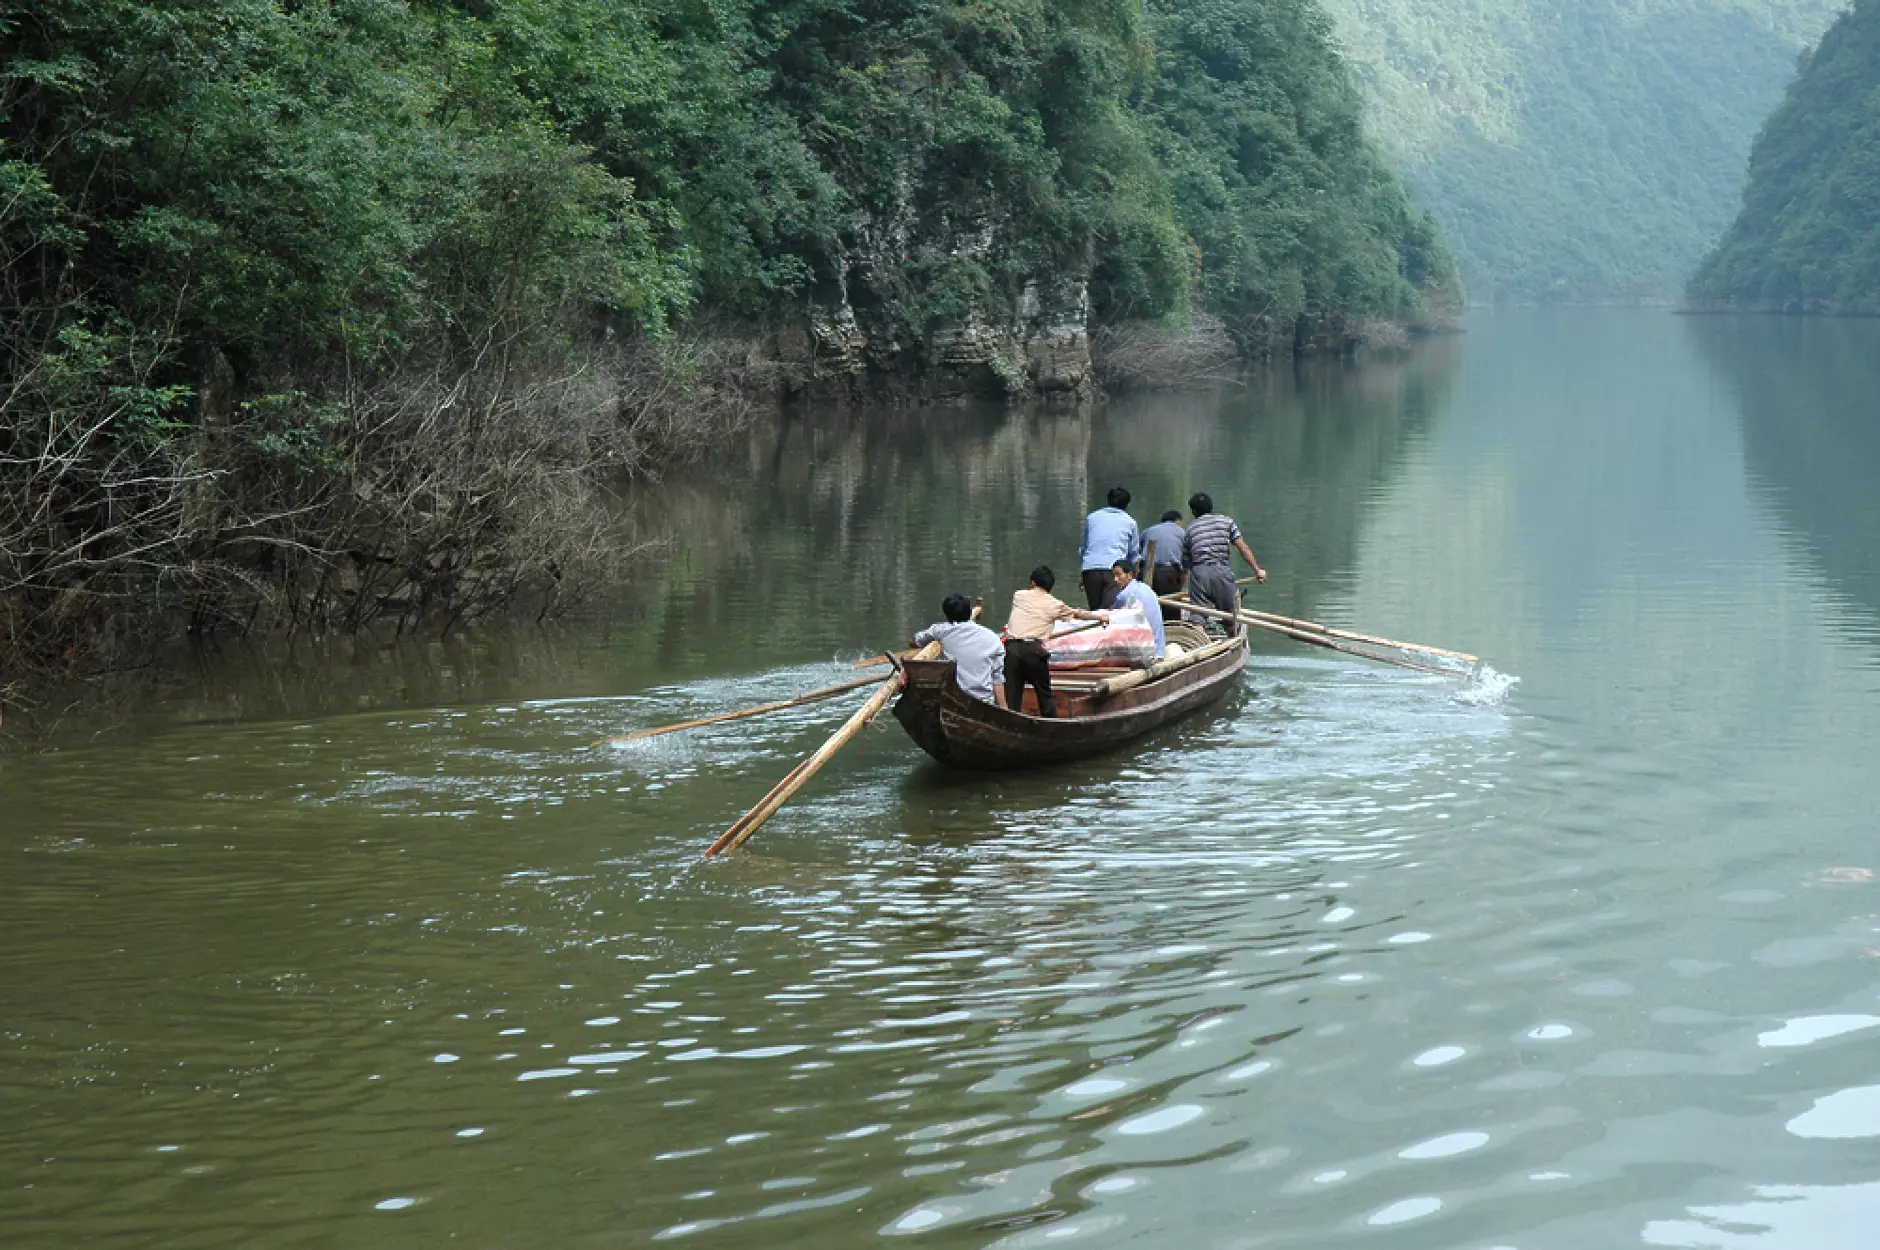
point(1168, 575)
point(1109, 535)
point(1131, 593)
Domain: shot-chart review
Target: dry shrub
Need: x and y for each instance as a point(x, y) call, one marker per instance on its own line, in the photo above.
point(1144, 356)
point(1381, 336)
point(131, 515)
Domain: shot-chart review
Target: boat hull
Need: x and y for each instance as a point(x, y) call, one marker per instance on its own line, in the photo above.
point(962, 732)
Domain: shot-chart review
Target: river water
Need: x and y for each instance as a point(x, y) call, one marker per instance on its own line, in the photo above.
point(368, 947)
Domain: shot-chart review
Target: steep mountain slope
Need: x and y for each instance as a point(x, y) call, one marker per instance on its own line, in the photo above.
point(1575, 149)
point(1808, 238)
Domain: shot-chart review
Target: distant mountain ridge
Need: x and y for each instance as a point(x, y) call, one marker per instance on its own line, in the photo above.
point(1808, 236)
point(1575, 149)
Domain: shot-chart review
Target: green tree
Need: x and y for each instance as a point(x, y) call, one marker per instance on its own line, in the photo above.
point(1293, 212)
point(1808, 235)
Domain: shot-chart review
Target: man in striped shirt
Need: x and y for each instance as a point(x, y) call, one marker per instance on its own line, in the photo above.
point(1207, 546)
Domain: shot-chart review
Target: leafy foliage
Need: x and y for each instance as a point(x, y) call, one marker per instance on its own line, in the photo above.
point(1575, 151)
point(287, 285)
point(284, 181)
point(1808, 236)
point(1292, 211)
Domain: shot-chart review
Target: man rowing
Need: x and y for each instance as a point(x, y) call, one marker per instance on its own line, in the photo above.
point(1109, 535)
point(1131, 593)
point(977, 654)
point(1166, 577)
point(1035, 611)
point(1208, 545)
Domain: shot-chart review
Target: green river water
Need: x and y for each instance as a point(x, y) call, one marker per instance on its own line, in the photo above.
point(365, 946)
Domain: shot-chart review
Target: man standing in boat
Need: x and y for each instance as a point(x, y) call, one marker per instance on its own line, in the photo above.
point(1131, 593)
point(977, 654)
point(1166, 578)
point(1035, 610)
point(1208, 545)
point(1110, 535)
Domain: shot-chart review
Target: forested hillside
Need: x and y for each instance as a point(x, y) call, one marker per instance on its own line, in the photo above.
point(1576, 150)
point(311, 312)
point(1808, 236)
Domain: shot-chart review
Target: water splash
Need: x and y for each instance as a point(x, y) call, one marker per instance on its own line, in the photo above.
point(1488, 688)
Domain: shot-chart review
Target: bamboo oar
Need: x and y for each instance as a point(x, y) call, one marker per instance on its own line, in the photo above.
point(1315, 627)
point(1161, 668)
point(1371, 639)
point(747, 824)
point(752, 820)
point(740, 822)
point(1317, 640)
point(814, 696)
point(876, 661)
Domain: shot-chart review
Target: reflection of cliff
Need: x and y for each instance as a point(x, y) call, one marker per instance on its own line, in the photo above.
point(1808, 398)
point(1293, 457)
point(842, 529)
point(1586, 517)
point(845, 527)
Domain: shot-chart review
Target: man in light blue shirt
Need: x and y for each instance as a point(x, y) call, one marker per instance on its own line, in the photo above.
point(1131, 593)
point(977, 654)
point(1110, 535)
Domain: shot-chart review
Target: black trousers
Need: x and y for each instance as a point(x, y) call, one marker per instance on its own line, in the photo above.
point(1099, 589)
point(1027, 663)
point(1167, 580)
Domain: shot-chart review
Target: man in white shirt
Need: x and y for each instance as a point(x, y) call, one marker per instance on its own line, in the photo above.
point(977, 654)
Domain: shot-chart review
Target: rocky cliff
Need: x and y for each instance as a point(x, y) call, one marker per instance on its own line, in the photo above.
point(1035, 346)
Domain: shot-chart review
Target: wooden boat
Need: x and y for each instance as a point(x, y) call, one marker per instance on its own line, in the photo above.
point(961, 731)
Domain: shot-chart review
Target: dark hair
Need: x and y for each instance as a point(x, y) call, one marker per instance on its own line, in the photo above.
point(1044, 577)
point(1200, 504)
point(1124, 565)
point(1119, 497)
point(1171, 515)
point(957, 607)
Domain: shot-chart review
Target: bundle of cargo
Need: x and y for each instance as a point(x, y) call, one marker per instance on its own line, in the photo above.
point(1126, 642)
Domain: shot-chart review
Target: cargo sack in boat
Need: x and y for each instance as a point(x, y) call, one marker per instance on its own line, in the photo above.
point(1127, 642)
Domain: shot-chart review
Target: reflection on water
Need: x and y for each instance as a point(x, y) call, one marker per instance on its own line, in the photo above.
point(374, 949)
point(1808, 395)
point(1813, 1216)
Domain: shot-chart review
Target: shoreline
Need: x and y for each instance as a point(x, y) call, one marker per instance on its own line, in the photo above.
point(517, 515)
